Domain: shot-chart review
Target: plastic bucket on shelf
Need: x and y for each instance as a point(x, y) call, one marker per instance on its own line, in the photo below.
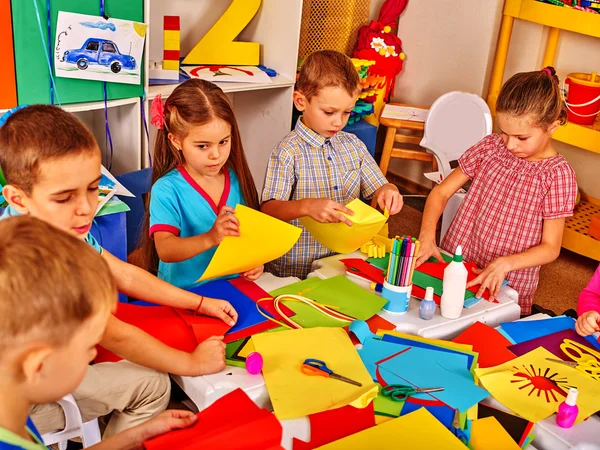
point(583, 102)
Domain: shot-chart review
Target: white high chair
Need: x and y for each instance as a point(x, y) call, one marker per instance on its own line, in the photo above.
point(74, 427)
point(456, 121)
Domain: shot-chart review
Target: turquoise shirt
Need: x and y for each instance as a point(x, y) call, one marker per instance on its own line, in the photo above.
point(180, 206)
point(10, 212)
point(12, 441)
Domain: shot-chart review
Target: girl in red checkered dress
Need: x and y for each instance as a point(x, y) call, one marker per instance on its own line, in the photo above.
point(512, 218)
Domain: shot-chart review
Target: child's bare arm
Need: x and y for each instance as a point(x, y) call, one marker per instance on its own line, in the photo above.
point(137, 283)
point(547, 251)
point(434, 207)
point(321, 209)
point(134, 438)
point(137, 346)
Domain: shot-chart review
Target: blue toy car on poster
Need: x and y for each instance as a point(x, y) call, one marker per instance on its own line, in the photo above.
point(102, 52)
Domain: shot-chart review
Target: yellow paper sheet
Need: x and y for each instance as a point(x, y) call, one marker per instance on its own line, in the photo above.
point(533, 387)
point(339, 237)
point(246, 349)
point(262, 239)
point(488, 434)
point(294, 394)
point(418, 430)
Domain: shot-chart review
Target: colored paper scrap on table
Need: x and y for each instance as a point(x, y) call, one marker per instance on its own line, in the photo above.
point(233, 422)
point(294, 394)
point(339, 237)
point(337, 291)
point(249, 322)
point(418, 430)
point(95, 48)
point(179, 329)
point(447, 416)
point(526, 330)
point(552, 343)
point(533, 387)
point(254, 246)
point(517, 427)
point(488, 434)
point(386, 406)
point(374, 324)
point(256, 293)
point(329, 426)
point(488, 342)
point(401, 364)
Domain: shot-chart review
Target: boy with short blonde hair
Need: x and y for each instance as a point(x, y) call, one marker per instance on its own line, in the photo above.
point(318, 168)
point(51, 163)
point(57, 296)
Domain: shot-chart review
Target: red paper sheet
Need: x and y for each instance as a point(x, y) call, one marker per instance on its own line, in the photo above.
point(488, 342)
point(179, 329)
point(364, 268)
point(335, 424)
point(233, 422)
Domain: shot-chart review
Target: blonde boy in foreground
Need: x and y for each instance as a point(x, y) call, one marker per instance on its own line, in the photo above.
point(318, 168)
point(57, 296)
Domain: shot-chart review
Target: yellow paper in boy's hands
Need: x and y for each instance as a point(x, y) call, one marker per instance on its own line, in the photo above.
point(339, 237)
point(262, 239)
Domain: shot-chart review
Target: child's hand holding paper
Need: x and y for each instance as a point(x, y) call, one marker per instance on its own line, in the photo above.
point(324, 210)
point(225, 225)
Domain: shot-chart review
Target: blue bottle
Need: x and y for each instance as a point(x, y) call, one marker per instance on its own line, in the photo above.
point(427, 308)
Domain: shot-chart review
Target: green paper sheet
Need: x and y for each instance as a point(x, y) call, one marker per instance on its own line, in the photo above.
point(385, 406)
point(33, 78)
point(337, 291)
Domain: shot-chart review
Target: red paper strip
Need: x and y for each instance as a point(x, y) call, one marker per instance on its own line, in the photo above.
point(168, 325)
point(488, 342)
point(233, 422)
point(255, 292)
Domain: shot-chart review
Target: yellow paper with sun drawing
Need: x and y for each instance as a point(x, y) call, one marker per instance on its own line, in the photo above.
point(533, 387)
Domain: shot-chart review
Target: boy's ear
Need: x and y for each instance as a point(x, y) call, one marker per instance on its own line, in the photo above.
point(300, 101)
point(16, 198)
point(33, 363)
point(175, 141)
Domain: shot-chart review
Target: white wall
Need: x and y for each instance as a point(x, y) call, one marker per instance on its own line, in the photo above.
point(450, 45)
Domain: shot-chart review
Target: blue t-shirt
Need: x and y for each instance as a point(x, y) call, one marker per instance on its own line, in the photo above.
point(12, 441)
point(10, 212)
point(180, 206)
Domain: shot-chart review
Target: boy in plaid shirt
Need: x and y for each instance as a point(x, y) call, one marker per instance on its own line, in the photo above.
point(318, 168)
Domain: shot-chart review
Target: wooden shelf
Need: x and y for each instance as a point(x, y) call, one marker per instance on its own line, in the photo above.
point(586, 137)
point(277, 82)
point(575, 237)
point(554, 16)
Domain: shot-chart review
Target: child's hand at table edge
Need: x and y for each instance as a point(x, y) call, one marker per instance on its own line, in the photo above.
point(253, 274)
point(166, 421)
point(389, 197)
point(588, 323)
point(325, 210)
point(491, 278)
point(428, 249)
point(221, 309)
point(225, 225)
point(208, 357)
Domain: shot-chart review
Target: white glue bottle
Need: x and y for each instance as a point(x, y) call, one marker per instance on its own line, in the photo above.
point(454, 286)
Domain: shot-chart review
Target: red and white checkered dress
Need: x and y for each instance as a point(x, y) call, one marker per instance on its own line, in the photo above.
point(505, 207)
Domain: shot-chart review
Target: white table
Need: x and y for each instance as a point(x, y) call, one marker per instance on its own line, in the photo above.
point(493, 314)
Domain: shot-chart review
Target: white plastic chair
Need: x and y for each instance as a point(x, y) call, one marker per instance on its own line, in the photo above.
point(74, 427)
point(456, 121)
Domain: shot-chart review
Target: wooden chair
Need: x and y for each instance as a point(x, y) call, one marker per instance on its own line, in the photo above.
point(395, 143)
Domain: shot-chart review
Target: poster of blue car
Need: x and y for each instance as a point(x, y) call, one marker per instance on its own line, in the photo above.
point(95, 48)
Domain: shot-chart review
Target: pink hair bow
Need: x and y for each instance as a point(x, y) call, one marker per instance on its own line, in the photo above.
point(157, 112)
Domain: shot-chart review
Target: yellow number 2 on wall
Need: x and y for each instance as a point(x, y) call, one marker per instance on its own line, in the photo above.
point(217, 46)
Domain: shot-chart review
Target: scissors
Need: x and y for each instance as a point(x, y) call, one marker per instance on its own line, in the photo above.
point(400, 392)
point(589, 367)
point(586, 359)
point(316, 367)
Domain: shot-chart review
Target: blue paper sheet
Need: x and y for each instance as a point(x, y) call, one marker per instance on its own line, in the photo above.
point(248, 314)
point(527, 330)
point(424, 368)
point(425, 345)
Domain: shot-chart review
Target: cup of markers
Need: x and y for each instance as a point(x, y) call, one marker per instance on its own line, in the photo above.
point(397, 285)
